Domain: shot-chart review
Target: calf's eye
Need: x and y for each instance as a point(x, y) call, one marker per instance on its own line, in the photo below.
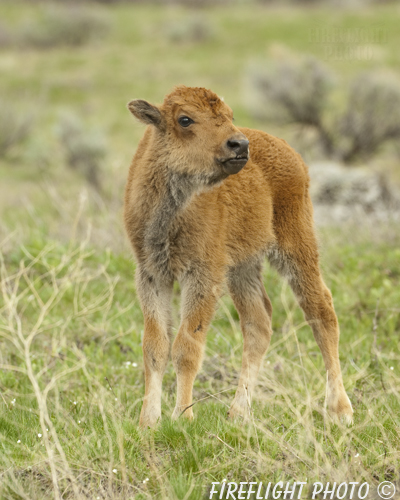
point(185, 121)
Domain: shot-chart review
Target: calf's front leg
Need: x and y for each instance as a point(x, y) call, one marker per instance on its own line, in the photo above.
point(155, 297)
point(199, 297)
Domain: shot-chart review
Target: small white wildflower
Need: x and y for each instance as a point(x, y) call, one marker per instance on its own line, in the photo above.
point(39, 435)
point(74, 402)
point(116, 399)
point(134, 365)
point(357, 455)
point(223, 480)
point(79, 421)
point(391, 368)
point(18, 441)
point(115, 471)
point(47, 429)
point(147, 479)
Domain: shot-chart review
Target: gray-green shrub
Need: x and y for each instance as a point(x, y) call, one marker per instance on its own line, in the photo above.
point(70, 25)
point(15, 125)
point(372, 115)
point(84, 149)
point(298, 91)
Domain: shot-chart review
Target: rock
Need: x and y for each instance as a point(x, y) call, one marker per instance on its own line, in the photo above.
point(341, 193)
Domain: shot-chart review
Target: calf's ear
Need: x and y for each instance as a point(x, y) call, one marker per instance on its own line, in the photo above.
point(146, 112)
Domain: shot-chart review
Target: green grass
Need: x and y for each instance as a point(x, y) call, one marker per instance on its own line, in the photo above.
point(70, 323)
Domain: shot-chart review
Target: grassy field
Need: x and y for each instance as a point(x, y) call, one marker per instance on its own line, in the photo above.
point(71, 371)
point(72, 382)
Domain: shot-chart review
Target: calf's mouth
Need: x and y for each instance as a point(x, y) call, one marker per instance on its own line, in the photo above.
point(234, 165)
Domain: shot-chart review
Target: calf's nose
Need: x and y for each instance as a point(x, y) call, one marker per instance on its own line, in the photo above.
point(238, 146)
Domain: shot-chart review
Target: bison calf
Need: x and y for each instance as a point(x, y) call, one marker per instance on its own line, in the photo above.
point(205, 202)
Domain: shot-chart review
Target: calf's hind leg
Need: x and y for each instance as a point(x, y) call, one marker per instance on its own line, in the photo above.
point(296, 257)
point(255, 310)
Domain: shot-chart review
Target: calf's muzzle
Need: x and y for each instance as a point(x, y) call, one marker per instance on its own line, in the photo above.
point(238, 147)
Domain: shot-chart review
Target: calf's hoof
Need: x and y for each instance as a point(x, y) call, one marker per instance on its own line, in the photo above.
point(149, 417)
point(182, 412)
point(340, 408)
point(239, 411)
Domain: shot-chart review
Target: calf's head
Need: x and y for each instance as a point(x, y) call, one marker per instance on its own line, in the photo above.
point(194, 133)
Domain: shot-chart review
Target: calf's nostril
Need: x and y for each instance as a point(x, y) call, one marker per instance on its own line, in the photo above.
point(233, 145)
point(238, 146)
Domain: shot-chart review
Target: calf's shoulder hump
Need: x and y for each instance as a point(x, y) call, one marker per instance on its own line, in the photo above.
point(280, 163)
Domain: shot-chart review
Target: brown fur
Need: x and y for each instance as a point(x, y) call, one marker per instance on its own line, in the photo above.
point(188, 220)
